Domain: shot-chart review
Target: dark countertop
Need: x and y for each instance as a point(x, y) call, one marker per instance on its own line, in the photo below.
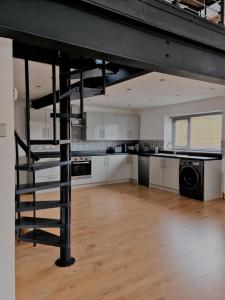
point(53, 154)
point(194, 156)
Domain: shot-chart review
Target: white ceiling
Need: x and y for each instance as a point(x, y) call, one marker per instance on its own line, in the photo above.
point(153, 89)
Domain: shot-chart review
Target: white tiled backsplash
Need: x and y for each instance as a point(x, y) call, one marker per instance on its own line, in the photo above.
point(82, 146)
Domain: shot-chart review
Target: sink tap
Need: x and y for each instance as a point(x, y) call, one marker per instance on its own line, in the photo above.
point(171, 143)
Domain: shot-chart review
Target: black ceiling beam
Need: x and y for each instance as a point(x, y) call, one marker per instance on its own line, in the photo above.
point(93, 86)
point(146, 34)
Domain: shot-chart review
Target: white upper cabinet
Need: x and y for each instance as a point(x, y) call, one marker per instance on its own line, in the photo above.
point(94, 126)
point(122, 127)
point(41, 125)
point(105, 126)
point(109, 127)
point(134, 128)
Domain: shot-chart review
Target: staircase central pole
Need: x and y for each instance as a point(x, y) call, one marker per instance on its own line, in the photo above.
point(65, 173)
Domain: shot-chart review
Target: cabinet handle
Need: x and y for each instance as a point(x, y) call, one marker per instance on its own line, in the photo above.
point(164, 164)
point(161, 163)
point(43, 133)
point(103, 133)
point(100, 133)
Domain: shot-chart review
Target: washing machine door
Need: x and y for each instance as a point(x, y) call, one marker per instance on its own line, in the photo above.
point(189, 178)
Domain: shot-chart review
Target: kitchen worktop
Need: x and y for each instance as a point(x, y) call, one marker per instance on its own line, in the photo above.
point(54, 154)
point(201, 156)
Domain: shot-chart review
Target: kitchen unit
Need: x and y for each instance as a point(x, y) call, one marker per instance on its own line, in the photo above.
point(95, 169)
point(164, 172)
point(107, 126)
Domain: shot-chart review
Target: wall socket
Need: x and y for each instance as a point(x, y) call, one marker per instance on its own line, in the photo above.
point(2, 130)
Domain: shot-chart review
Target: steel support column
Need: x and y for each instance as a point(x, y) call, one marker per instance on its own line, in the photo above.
point(65, 174)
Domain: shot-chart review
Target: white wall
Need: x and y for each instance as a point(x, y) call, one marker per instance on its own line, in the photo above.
point(152, 119)
point(7, 184)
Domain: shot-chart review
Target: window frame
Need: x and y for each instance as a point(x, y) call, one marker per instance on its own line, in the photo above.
point(188, 118)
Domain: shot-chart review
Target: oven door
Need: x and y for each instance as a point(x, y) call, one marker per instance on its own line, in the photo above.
point(81, 169)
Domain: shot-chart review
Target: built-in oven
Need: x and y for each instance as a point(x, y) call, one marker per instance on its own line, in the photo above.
point(81, 167)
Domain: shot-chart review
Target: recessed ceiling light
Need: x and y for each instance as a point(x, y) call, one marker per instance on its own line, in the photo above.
point(177, 95)
point(128, 104)
point(212, 88)
point(128, 89)
point(162, 79)
point(151, 100)
point(38, 86)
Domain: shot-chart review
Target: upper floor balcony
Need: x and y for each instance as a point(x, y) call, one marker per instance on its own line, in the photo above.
point(212, 10)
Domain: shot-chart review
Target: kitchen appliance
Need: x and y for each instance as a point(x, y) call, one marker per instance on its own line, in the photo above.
point(81, 167)
point(143, 170)
point(131, 148)
point(192, 178)
point(118, 149)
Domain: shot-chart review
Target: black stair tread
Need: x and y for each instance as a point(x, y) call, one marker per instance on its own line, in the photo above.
point(42, 165)
point(29, 205)
point(49, 142)
point(41, 237)
point(29, 222)
point(66, 116)
point(29, 188)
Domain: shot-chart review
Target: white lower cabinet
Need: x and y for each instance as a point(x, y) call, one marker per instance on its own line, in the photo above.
point(164, 172)
point(111, 168)
point(46, 175)
point(98, 168)
point(171, 173)
point(134, 167)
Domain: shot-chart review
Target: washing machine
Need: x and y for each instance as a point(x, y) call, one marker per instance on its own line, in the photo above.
point(191, 178)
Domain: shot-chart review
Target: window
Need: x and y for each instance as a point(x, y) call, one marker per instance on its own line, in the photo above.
point(197, 132)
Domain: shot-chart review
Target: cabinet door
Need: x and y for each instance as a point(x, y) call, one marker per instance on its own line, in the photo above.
point(52, 174)
point(49, 126)
point(94, 127)
point(98, 168)
point(38, 130)
point(134, 128)
point(126, 167)
point(134, 167)
point(171, 173)
point(114, 166)
point(156, 171)
point(122, 127)
point(109, 127)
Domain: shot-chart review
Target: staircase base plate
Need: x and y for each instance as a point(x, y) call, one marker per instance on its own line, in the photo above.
point(62, 264)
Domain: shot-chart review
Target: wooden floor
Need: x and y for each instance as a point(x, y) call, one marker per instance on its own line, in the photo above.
point(131, 243)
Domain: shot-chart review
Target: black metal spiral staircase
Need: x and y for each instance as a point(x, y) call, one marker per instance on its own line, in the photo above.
point(37, 233)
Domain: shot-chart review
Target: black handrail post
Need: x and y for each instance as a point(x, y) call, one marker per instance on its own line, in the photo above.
point(27, 110)
point(81, 88)
point(65, 173)
point(54, 102)
point(222, 12)
point(175, 2)
point(103, 78)
point(17, 182)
